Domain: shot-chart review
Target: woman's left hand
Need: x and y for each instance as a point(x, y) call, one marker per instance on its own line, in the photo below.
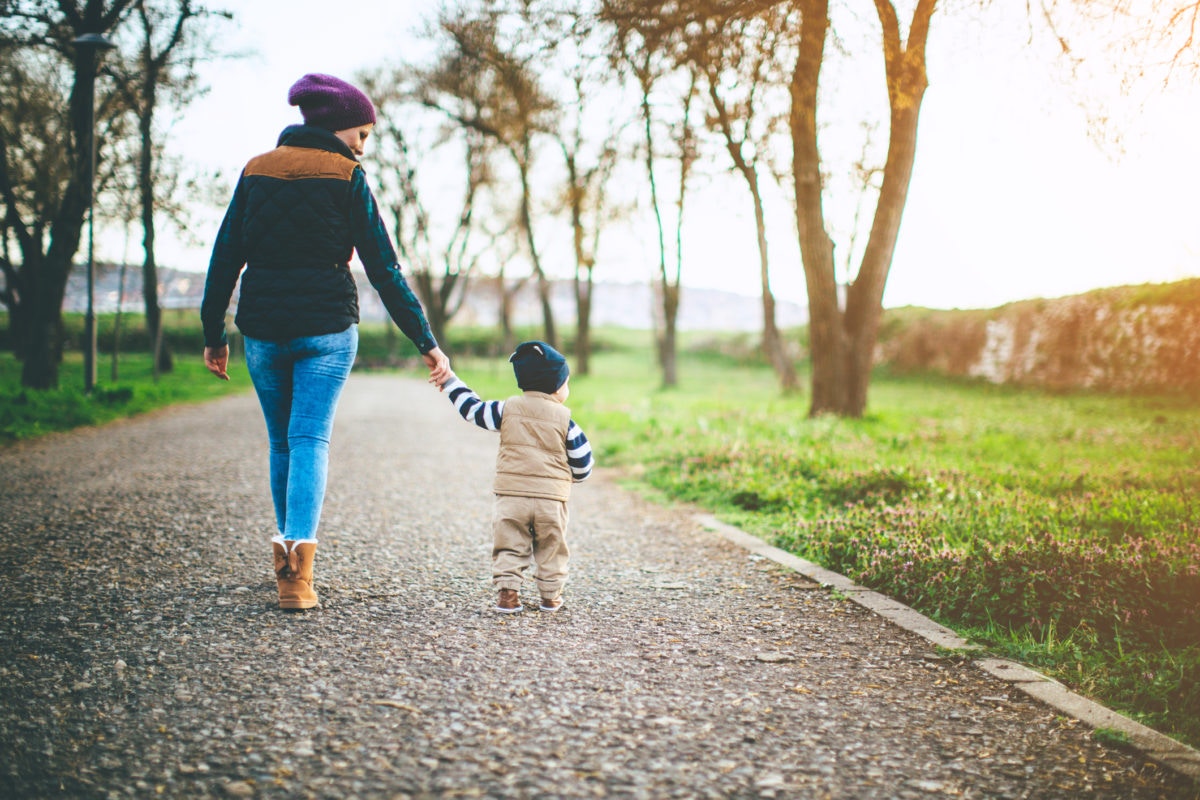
point(217, 360)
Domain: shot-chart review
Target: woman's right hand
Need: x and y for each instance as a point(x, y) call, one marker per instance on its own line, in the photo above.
point(216, 359)
point(439, 366)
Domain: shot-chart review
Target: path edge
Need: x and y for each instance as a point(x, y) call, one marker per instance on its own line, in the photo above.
point(1156, 746)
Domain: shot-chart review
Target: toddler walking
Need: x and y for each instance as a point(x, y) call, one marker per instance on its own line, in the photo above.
point(542, 452)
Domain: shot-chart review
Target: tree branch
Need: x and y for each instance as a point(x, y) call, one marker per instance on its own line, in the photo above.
point(12, 215)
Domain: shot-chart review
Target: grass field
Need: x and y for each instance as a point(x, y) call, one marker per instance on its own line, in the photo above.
point(26, 414)
point(1060, 530)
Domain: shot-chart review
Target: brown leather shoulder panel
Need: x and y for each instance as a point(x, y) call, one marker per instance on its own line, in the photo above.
point(297, 163)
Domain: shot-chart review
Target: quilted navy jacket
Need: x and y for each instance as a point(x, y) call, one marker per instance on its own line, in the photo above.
point(297, 215)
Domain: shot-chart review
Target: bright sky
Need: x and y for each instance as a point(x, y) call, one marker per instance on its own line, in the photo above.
point(1010, 198)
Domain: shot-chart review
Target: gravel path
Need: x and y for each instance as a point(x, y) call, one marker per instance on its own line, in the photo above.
point(141, 653)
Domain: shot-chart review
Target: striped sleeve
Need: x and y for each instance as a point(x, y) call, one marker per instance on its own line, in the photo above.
point(485, 414)
point(579, 453)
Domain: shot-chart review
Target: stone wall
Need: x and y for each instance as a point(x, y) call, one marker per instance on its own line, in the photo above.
point(1131, 338)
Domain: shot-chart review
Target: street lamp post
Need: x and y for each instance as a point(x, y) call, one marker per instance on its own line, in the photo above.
point(91, 44)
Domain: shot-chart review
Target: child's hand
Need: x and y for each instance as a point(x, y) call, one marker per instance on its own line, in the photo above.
point(444, 381)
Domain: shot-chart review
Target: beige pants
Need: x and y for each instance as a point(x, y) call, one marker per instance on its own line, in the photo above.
point(529, 529)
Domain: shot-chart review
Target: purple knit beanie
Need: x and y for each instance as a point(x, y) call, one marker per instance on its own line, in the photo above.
point(331, 103)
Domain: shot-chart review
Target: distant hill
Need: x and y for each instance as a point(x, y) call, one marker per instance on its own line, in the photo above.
point(621, 305)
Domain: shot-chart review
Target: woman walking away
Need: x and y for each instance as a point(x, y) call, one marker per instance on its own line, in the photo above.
point(297, 214)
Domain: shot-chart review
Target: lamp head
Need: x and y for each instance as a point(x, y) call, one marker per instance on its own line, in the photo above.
point(96, 41)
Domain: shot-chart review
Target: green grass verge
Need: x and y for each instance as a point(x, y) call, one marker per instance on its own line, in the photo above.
point(25, 414)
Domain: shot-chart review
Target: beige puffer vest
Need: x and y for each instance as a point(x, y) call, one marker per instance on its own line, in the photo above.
point(532, 461)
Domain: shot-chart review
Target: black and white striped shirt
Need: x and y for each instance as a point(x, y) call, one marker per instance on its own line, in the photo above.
point(488, 413)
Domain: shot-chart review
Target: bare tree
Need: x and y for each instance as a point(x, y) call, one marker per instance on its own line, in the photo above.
point(671, 284)
point(589, 143)
point(585, 202)
point(482, 82)
point(507, 290)
point(166, 60)
point(905, 71)
point(441, 271)
point(740, 57)
point(1115, 57)
point(128, 213)
point(48, 234)
point(643, 45)
point(1140, 40)
point(843, 340)
point(444, 293)
point(845, 295)
point(33, 177)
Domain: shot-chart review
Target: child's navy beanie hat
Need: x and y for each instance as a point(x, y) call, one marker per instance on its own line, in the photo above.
point(539, 367)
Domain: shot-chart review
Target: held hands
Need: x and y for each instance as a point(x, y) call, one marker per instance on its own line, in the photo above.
point(216, 359)
point(439, 366)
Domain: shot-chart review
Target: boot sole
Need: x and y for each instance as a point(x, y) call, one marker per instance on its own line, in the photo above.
point(298, 606)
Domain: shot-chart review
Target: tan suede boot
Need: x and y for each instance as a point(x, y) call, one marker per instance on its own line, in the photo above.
point(294, 574)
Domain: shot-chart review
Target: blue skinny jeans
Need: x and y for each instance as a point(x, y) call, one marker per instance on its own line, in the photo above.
point(298, 382)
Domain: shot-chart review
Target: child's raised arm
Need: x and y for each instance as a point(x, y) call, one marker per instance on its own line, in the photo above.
point(579, 453)
point(485, 414)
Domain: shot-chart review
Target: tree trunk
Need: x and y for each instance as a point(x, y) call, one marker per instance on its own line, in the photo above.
point(435, 310)
point(668, 344)
point(772, 340)
point(583, 316)
point(15, 297)
point(773, 346)
point(827, 341)
point(42, 320)
point(115, 369)
point(583, 268)
point(666, 339)
point(906, 82)
point(44, 331)
point(549, 331)
point(505, 294)
point(18, 329)
point(446, 305)
point(843, 345)
point(49, 278)
point(162, 354)
point(672, 286)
